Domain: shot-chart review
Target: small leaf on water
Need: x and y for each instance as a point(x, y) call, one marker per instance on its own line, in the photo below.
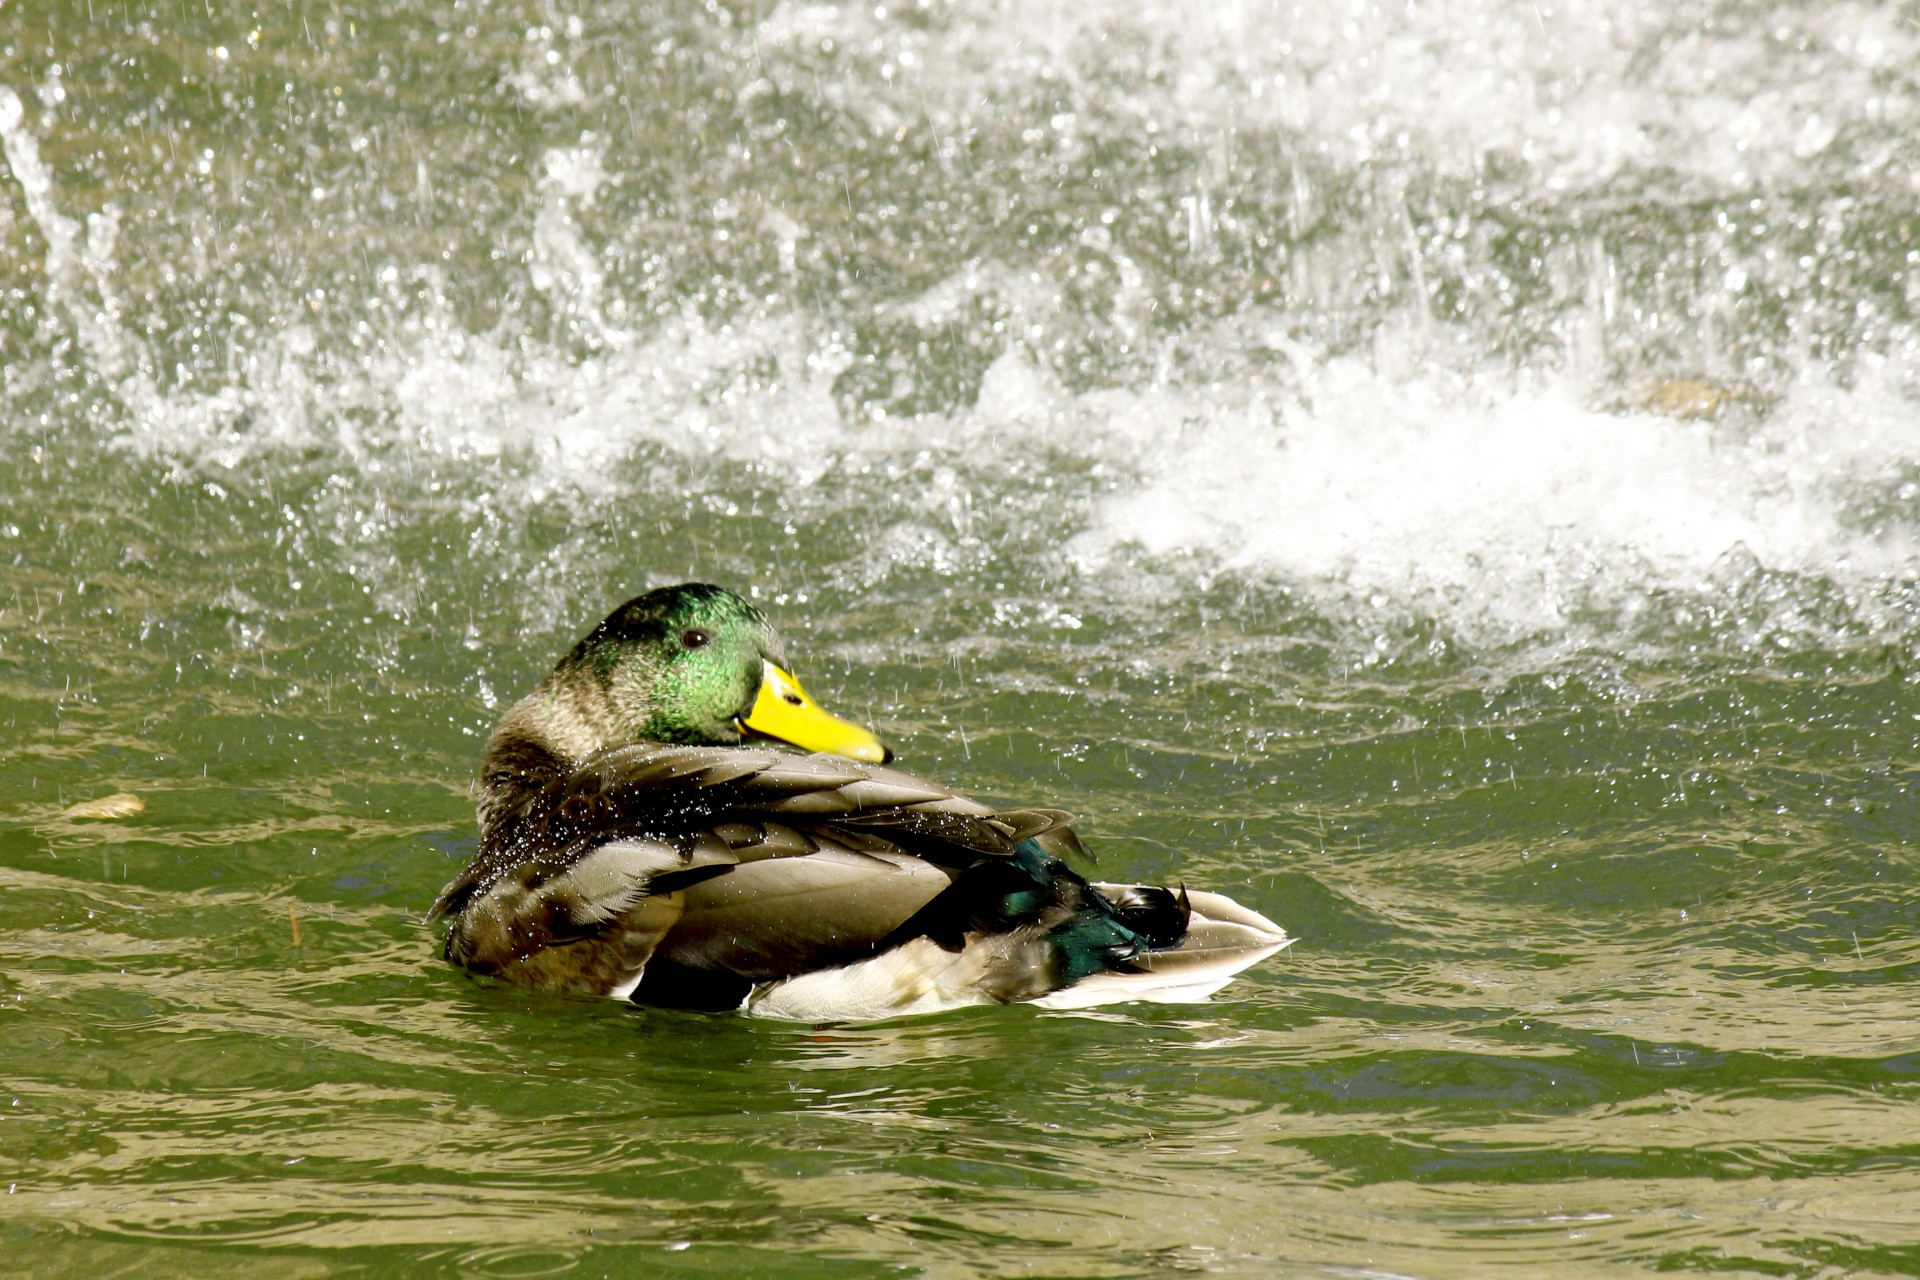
point(123, 804)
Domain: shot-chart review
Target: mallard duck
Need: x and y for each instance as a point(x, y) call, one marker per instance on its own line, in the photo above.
point(642, 838)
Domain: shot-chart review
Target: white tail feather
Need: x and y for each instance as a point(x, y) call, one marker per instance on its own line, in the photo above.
point(917, 977)
point(1223, 938)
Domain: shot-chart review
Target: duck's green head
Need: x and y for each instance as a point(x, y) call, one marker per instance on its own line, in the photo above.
point(697, 664)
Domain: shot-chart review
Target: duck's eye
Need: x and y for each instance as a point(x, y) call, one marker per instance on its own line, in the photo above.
point(694, 639)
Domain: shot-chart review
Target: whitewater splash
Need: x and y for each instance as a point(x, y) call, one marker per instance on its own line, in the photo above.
point(1513, 510)
point(1586, 91)
point(1346, 438)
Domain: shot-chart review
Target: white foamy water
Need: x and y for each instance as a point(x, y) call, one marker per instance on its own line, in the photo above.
point(1410, 462)
point(1514, 507)
point(1582, 89)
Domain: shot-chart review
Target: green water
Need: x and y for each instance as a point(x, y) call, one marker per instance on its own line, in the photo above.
point(1268, 479)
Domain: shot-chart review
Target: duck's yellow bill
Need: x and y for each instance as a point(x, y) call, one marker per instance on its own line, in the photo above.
point(784, 711)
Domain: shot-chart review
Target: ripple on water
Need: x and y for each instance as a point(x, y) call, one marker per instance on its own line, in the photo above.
point(1441, 472)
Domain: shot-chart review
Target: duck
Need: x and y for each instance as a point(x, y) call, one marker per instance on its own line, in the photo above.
point(670, 819)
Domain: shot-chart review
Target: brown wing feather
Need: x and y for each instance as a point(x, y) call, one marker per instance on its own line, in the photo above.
point(589, 926)
point(654, 790)
point(767, 863)
point(782, 916)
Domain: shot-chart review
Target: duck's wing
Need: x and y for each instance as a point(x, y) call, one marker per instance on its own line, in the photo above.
point(754, 864)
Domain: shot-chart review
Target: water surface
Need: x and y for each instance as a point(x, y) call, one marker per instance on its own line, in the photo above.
point(1445, 474)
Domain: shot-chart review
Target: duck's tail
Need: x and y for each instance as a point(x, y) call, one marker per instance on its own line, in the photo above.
point(1028, 929)
point(1220, 939)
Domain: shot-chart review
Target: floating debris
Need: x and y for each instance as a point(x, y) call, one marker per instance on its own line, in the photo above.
point(122, 804)
point(1686, 399)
